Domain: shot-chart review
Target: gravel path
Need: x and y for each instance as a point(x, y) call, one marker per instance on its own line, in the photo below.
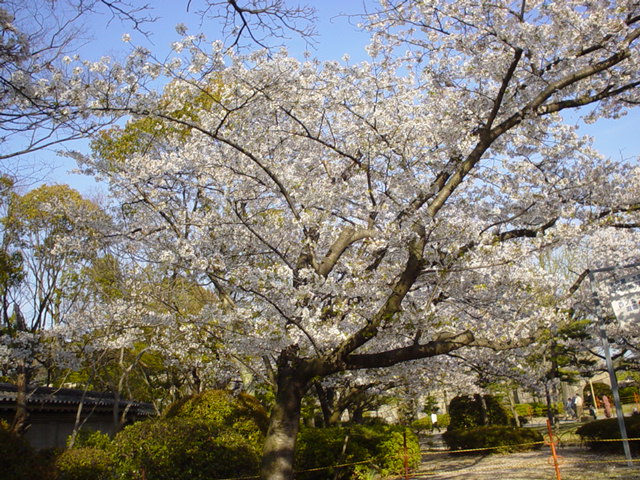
point(576, 463)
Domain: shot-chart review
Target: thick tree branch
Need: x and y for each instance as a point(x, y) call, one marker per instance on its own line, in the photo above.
point(444, 344)
point(347, 237)
point(392, 305)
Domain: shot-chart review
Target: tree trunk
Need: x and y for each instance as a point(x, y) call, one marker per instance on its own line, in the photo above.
point(550, 410)
point(323, 398)
point(78, 423)
point(20, 422)
point(483, 408)
point(357, 415)
point(115, 412)
point(284, 423)
point(334, 418)
point(514, 411)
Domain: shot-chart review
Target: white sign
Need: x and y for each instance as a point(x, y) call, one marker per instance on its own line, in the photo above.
point(625, 298)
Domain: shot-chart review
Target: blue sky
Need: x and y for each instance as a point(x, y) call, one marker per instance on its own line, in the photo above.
point(337, 35)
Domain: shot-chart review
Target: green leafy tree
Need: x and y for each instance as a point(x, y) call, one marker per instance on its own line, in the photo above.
point(47, 235)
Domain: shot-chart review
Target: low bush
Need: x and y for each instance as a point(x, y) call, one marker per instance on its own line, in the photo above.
point(223, 410)
point(183, 449)
point(214, 434)
point(421, 425)
point(85, 463)
point(494, 438)
point(379, 447)
point(535, 409)
point(91, 438)
point(628, 394)
point(599, 433)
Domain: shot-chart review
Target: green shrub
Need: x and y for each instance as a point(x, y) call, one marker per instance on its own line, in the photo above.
point(223, 410)
point(498, 438)
point(536, 409)
point(373, 420)
point(182, 448)
point(444, 420)
point(380, 447)
point(19, 460)
point(423, 424)
point(467, 412)
point(86, 463)
point(214, 434)
point(595, 434)
point(627, 394)
point(91, 438)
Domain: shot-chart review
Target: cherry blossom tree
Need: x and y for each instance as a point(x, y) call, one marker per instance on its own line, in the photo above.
point(354, 217)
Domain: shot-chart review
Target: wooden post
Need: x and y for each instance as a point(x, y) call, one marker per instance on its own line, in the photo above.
point(406, 455)
point(554, 455)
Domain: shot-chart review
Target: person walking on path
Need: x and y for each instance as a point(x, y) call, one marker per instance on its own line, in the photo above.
point(570, 413)
point(434, 421)
point(607, 406)
point(578, 406)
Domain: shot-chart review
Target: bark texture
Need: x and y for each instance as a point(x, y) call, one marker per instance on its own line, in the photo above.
point(284, 424)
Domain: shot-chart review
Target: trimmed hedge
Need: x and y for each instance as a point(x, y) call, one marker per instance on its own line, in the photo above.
point(537, 409)
point(380, 446)
point(214, 434)
point(593, 434)
point(494, 438)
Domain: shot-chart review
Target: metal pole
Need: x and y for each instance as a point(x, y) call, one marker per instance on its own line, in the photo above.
point(612, 373)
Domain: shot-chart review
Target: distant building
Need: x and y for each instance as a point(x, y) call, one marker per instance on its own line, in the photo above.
point(53, 412)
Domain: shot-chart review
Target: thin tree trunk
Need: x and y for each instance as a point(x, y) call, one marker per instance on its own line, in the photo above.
point(115, 412)
point(284, 423)
point(514, 411)
point(343, 453)
point(78, 423)
point(483, 408)
point(20, 422)
point(550, 413)
point(323, 398)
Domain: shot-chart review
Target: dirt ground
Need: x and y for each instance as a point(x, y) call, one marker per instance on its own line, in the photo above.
point(576, 463)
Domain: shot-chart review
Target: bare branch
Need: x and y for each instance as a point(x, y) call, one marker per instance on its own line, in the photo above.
point(260, 21)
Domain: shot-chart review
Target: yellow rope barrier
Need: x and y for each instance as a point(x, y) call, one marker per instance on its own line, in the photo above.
point(467, 450)
point(317, 469)
point(517, 466)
